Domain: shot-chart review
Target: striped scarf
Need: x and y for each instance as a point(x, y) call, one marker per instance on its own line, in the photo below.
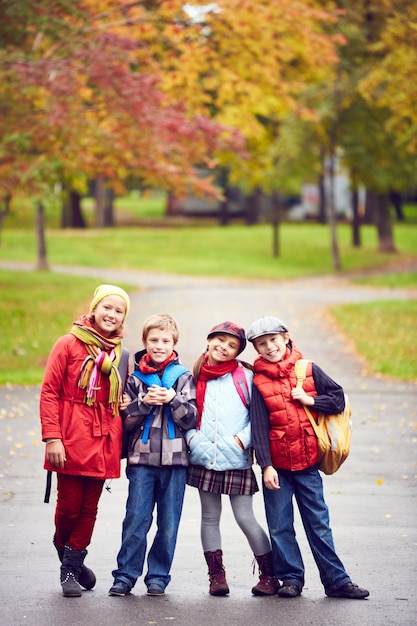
point(103, 357)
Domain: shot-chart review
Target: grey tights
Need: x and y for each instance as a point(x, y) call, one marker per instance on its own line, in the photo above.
point(211, 508)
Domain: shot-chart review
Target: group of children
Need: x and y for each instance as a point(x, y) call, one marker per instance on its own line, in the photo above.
point(199, 429)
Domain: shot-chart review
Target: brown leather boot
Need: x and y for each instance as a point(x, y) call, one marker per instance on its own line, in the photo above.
point(217, 575)
point(268, 585)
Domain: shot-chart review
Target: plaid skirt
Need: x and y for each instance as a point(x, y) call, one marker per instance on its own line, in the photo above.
point(230, 482)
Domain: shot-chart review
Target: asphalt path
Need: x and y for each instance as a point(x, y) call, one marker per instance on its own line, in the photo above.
point(372, 499)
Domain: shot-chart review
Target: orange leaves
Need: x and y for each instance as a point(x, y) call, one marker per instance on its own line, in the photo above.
point(147, 86)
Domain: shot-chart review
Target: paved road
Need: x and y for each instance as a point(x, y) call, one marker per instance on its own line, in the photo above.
point(372, 499)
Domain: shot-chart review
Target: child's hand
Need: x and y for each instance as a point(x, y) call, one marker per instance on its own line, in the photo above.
point(167, 395)
point(238, 441)
point(159, 395)
point(55, 453)
point(270, 476)
point(153, 395)
point(299, 394)
point(125, 401)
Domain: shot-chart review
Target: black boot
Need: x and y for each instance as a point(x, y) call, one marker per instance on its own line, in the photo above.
point(70, 572)
point(87, 578)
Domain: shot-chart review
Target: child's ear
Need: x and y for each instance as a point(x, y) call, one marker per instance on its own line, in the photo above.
point(286, 337)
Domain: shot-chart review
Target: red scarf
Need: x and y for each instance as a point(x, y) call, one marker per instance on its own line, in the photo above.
point(208, 372)
point(147, 366)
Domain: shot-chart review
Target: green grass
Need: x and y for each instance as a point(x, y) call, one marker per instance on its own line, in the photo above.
point(37, 310)
point(236, 250)
point(394, 280)
point(384, 334)
point(40, 307)
point(135, 205)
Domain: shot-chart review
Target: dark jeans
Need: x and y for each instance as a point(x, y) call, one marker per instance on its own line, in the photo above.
point(307, 487)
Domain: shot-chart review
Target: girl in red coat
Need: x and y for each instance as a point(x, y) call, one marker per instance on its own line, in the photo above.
point(82, 428)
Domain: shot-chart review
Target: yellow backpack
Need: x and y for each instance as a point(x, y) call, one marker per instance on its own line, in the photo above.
point(333, 432)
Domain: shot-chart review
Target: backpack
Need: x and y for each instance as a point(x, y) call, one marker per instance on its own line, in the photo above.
point(241, 384)
point(171, 373)
point(333, 432)
point(123, 369)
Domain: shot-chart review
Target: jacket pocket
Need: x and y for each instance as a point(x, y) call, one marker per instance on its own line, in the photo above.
point(279, 449)
point(310, 445)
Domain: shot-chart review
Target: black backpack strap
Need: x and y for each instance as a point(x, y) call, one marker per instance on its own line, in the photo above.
point(48, 486)
point(123, 368)
point(124, 365)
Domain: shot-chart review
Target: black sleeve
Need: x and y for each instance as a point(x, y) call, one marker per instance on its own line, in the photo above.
point(259, 418)
point(330, 396)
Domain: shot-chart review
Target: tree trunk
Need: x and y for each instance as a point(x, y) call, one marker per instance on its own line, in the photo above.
point(40, 234)
point(397, 202)
point(322, 217)
point(108, 207)
point(356, 233)
point(384, 225)
point(253, 202)
point(276, 215)
point(72, 216)
point(100, 201)
point(371, 208)
point(224, 216)
point(332, 210)
point(174, 204)
point(5, 211)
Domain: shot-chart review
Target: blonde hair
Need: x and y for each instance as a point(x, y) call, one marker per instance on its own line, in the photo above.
point(161, 321)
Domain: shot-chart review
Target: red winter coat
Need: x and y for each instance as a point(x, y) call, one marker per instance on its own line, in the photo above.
point(293, 442)
point(91, 435)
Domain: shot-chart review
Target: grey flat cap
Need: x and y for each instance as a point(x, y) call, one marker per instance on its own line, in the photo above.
point(265, 326)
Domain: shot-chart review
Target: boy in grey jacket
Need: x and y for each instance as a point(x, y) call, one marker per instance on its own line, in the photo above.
point(160, 405)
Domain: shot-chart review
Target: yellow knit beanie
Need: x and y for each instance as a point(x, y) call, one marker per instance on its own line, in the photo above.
point(109, 290)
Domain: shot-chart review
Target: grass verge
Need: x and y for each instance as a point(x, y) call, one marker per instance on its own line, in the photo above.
point(40, 307)
point(37, 310)
point(384, 334)
point(237, 250)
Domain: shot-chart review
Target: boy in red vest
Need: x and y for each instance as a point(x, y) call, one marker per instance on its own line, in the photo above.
point(286, 449)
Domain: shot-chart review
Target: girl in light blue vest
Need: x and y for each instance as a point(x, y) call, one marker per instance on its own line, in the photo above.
point(221, 454)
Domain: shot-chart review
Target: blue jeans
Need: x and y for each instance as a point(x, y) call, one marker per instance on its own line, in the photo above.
point(150, 486)
point(307, 487)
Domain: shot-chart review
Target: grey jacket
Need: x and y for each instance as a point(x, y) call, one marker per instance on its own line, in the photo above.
point(156, 434)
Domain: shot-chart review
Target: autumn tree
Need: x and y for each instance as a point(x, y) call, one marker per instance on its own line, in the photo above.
point(76, 103)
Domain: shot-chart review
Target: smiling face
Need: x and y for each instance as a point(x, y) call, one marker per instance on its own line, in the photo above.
point(159, 344)
point(272, 347)
point(109, 314)
point(222, 348)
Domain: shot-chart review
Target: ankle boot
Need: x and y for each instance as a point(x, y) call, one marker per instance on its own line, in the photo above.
point(268, 585)
point(87, 578)
point(70, 571)
point(217, 575)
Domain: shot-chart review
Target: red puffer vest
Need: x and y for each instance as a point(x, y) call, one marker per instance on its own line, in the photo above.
point(292, 440)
